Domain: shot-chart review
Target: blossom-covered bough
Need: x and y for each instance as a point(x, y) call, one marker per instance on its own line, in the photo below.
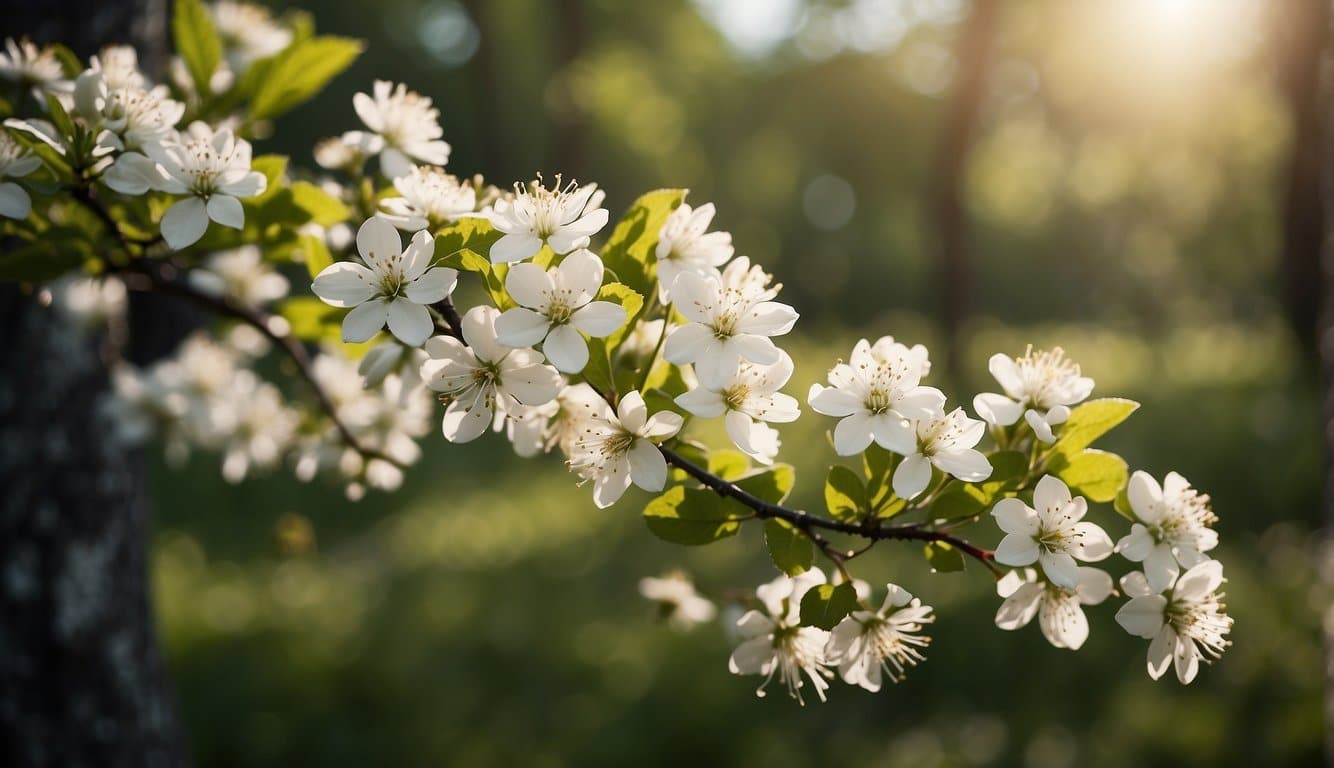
point(607, 346)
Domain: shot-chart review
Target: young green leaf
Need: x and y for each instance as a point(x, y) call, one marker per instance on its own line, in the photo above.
point(772, 484)
point(299, 72)
point(826, 605)
point(324, 209)
point(789, 548)
point(691, 516)
point(844, 493)
point(1090, 421)
point(728, 464)
point(629, 252)
point(315, 254)
point(1097, 475)
point(943, 558)
point(197, 42)
point(956, 502)
point(879, 464)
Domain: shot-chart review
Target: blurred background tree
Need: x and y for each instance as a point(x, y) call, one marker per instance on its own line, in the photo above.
point(1116, 176)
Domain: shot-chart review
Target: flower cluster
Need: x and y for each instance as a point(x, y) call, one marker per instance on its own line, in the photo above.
point(616, 348)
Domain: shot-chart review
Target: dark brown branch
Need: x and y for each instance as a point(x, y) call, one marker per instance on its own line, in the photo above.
point(811, 525)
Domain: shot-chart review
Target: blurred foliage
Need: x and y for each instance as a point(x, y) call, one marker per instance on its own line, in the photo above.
point(1123, 198)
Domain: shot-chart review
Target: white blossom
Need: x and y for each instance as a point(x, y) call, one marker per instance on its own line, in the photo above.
point(22, 62)
point(563, 218)
point(867, 644)
point(614, 450)
point(556, 306)
point(684, 246)
point(678, 602)
point(1058, 609)
point(947, 443)
point(248, 33)
point(240, 274)
point(876, 395)
point(1171, 530)
point(428, 198)
point(729, 319)
point(15, 163)
point(1051, 533)
point(263, 429)
point(1186, 624)
point(404, 128)
point(394, 287)
point(213, 169)
point(92, 302)
point(773, 642)
point(483, 375)
point(1040, 386)
point(748, 400)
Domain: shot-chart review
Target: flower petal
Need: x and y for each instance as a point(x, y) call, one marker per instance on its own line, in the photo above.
point(226, 210)
point(184, 222)
point(530, 285)
point(1142, 616)
point(365, 321)
point(912, 476)
point(378, 243)
point(344, 284)
point(648, 469)
point(997, 409)
point(432, 285)
point(515, 247)
point(521, 327)
point(566, 349)
point(852, 434)
point(1060, 568)
point(599, 318)
point(1014, 516)
point(409, 322)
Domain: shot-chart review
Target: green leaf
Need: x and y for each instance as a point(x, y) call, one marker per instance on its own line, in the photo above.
point(598, 370)
point(1094, 474)
point(450, 252)
point(315, 254)
point(300, 72)
point(41, 145)
point(879, 464)
point(59, 117)
point(629, 251)
point(324, 209)
point(789, 548)
point(958, 501)
point(197, 42)
point(772, 484)
point(844, 493)
point(691, 516)
point(1122, 505)
point(728, 464)
point(826, 605)
point(1090, 421)
point(628, 299)
point(943, 558)
point(312, 319)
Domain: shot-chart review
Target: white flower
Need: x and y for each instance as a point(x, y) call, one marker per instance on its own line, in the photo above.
point(403, 127)
point(1040, 386)
point(947, 443)
point(729, 320)
point(483, 375)
point(429, 198)
point(391, 357)
point(876, 395)
point(214, 170)
point(1051, 534)
point(92, 302)
point(113, 95)
point(774, 642)
point(15, 162)
point(394, 287)
point(747, 400)
point(24, 63)
point(336, 154)
point(563, 218)
point(614, 450)
point(677, 600)
point(1058, 609)
point(683, 246)
point(263, 429)
point(248, 33)
point(868, 643)
point(1187, 624)
point(1172, 527)
point(241, 274)
point(557, 305)
point(118, 67)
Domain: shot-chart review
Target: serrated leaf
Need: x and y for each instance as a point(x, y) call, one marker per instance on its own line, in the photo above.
point(1097, 475)
point(629, 252)
point(943, 558)
point(300, 72)
point(824, 606)
point(197, 42)
point(728, 464)
point(772, 484)
point(691, 516)
point(324, 209)
point(1090, 421)
point(789, 548)
point(844, 493)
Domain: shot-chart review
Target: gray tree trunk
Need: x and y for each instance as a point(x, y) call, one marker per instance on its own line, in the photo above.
point(82, 681)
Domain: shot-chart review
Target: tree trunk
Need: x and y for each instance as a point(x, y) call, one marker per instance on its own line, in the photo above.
point(82, 681)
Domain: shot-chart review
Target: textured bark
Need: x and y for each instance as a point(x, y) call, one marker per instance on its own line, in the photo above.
point(82, 681)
